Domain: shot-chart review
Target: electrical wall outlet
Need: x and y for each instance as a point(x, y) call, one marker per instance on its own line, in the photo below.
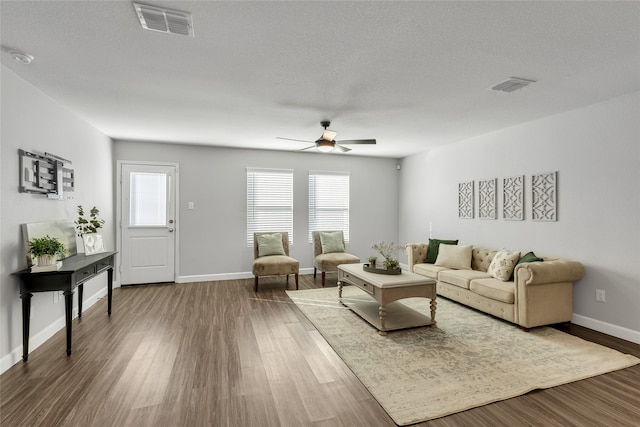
point(600, 295)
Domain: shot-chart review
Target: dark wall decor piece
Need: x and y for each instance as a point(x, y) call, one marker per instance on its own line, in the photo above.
point(513, 198)
point(44, 174)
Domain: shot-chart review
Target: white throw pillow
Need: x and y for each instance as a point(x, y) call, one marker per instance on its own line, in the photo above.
point(331, 242)
point(502, 265)
point(270, 244)
point(454, 256)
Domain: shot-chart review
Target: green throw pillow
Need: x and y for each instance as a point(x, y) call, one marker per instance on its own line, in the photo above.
point(331, 242)
point(270, 244)
point(432, 249)
point(528, 257)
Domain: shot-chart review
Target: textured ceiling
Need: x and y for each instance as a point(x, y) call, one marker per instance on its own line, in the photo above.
point(413, 75)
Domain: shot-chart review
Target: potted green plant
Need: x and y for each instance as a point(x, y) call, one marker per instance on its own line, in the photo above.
point(390, 264)
point(47, 250)
point(372, 261)
point(88, 225)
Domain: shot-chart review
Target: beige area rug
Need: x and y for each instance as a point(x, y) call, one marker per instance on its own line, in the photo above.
point(469, 360)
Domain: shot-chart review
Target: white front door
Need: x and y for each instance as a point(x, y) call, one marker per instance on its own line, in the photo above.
point(147, 223)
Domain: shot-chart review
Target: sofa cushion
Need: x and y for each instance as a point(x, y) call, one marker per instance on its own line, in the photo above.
point(453, 256)
point(270, 244)
point(503, 264)
point(461, 278)
point(481, 258)
point(494, 289)
point(330, 262)
point(434, 247)
point(428, 270)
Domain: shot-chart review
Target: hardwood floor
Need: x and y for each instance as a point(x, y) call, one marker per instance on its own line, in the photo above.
point(219, 354)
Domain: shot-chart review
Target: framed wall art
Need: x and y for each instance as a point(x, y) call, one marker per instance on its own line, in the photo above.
point(487, 199)
point(465, 199)
point(544, 197)
point(513, 198)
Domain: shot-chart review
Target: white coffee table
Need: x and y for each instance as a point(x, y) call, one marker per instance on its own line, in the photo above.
point(383, 313)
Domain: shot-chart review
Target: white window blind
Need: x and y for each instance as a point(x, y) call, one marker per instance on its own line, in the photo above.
point(329, 202)
point(269, 201)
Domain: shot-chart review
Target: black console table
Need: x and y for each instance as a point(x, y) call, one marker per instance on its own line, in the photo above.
point(75, 270)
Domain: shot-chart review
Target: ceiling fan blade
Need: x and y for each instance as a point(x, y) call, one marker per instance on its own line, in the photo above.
point(341, 148)
point(291, 139)
point(307, 148)
point(357, 141)
point(329, 135)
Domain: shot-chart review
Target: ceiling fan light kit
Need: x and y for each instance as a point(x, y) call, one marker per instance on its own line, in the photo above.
point(324, 146)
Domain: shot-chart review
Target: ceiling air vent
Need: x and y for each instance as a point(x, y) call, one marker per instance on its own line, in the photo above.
point(164, 20)
point(514, 83)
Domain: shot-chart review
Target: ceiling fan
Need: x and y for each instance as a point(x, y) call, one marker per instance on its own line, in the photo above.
point(327, 142)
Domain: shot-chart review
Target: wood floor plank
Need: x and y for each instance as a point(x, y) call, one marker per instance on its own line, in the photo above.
point(220, 354)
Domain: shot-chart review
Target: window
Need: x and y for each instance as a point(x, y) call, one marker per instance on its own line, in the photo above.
point(329, 202)
point(269, 201)
point(148, 199)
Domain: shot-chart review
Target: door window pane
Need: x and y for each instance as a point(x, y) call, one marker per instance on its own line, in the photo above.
point(148, 201)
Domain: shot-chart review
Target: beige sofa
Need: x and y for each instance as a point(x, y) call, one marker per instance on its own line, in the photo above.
point(539, 293)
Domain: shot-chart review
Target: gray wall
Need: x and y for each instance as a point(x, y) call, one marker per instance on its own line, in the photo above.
point(596, 151)
point(34, 122)
point(213, 235)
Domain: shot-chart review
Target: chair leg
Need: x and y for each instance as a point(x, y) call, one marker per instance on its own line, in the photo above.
point(255, 282)
point(296, 281)
point(323, 275)
point(315, 270)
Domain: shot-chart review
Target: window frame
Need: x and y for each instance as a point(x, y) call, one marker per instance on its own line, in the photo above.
point(275, 185)
point(317, 195)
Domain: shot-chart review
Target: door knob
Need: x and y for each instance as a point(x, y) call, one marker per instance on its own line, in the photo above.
point(171, 230)
point(170, 221)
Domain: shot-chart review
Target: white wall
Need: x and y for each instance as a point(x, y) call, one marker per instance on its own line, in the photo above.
point(213, 235)
point(33, 121)
point(596, 151)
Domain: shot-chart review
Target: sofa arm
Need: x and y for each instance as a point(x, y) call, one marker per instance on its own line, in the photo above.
point(553, 271)
point(416, 254)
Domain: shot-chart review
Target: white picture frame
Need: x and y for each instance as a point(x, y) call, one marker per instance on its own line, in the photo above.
point(93, 243)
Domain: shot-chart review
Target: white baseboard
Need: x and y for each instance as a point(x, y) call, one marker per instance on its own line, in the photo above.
point(37, 340)
point(607, 328)
point(227, 276)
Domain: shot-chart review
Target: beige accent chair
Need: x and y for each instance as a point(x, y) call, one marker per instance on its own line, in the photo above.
point(329, 261)
point(274, 265)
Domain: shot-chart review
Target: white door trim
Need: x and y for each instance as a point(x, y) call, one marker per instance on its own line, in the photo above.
point(120, 163)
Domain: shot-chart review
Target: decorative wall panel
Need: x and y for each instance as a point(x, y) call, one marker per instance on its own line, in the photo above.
point(465, 199)
point(544, 201)
point(487, 199)
point(513, 198)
